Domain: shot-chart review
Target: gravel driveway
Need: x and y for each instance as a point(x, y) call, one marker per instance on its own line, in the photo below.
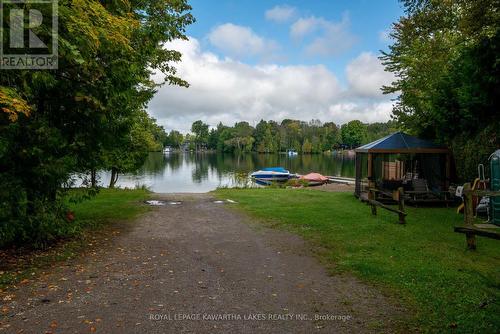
point(196, 267)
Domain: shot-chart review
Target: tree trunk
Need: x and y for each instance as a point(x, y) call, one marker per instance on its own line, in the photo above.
point(30, 203)
point(114, 177)
point(93, 178)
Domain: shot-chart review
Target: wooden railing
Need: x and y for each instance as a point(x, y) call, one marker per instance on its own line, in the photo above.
point(470, 229)
point(397, 195)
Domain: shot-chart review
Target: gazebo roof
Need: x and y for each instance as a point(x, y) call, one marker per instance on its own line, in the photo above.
point(400, 142)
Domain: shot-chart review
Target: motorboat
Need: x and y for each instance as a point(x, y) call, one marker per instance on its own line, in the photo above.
point(272, 174)
point(291, 152)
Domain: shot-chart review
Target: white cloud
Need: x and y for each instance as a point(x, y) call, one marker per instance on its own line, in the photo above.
point(366, 75)
point(334, 37)
point(305, 26)
point(369, 113)
point(227, 90)
point(240, 41)
point(281, 13)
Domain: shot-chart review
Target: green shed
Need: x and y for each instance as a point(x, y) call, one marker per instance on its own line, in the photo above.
point(495, 186)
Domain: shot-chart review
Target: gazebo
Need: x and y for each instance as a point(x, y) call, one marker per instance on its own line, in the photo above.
point(422, 168)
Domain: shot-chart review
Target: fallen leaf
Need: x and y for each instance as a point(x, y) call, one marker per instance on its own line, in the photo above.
point(8, 298)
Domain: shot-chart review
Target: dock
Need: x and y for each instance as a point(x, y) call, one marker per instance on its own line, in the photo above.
point(341, 180)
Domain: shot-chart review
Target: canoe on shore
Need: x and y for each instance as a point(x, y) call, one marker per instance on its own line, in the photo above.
point(314, 179)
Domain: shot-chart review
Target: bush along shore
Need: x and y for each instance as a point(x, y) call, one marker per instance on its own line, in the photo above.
point(87, 220)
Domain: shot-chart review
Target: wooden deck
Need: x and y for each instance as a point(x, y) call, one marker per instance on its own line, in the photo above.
point(386, 196)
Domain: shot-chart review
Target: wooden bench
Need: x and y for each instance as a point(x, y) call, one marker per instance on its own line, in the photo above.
point(483, 230)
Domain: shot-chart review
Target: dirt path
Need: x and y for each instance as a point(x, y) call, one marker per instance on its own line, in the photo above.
point(194, 260)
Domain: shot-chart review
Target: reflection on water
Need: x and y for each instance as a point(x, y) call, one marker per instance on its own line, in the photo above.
point(202, 172)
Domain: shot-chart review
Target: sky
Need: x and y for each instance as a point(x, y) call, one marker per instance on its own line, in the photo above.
point(248, 60)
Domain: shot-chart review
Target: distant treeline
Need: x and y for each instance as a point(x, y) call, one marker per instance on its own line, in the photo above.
point(271, 136)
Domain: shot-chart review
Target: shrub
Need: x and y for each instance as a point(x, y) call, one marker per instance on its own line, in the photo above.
point(470, 152)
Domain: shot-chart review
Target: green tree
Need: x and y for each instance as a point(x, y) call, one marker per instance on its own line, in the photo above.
point(353, 133)
point(200, 131)
point(55, 123)
point(378, 130)
point(174, 139)
point(225, 143)
point(331, 137)
point(265, 142)
point(307, 146)
point(446, 60)
point(292, 134)
point(213, 139)
point(130, 151)
point(243, 137)
point(189, 142)
point(259, 134)
point(269, 141)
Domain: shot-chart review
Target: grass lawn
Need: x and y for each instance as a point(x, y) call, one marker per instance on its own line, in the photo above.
point(110, 204)
point(426, 264)
point(91, 215)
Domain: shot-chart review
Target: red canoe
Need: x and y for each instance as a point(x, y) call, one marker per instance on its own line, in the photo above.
point(314, 179)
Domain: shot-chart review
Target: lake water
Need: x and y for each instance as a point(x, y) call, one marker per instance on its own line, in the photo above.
point(203, 172)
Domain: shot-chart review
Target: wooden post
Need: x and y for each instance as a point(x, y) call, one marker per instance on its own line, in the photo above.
point(371, 197)
point(401, 204)
point(371, 184)
point(469, 216)
point(447, 173)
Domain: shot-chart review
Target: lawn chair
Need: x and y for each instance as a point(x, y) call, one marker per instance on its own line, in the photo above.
point(420, 191)
point(422, 194)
